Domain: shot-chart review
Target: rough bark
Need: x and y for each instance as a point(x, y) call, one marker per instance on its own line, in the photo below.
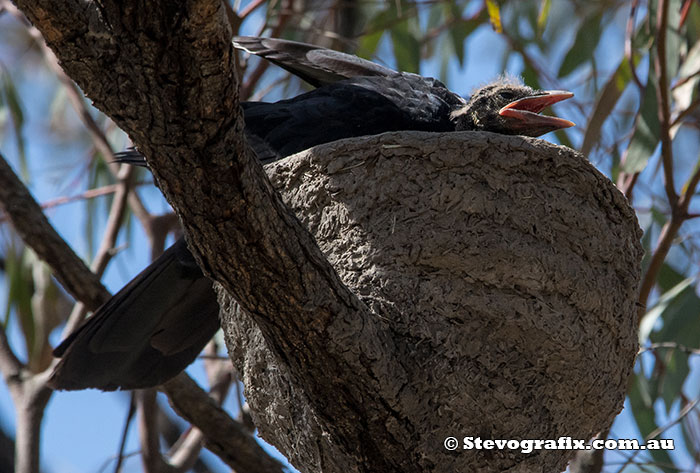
point(503, 269)
point(167, 77)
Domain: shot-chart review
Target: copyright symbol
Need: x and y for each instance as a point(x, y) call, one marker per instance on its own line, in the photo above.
point(451, 443)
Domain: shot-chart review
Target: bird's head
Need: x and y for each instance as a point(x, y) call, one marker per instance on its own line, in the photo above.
point(511, 109)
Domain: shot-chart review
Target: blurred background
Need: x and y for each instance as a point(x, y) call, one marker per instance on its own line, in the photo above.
point(634, 67)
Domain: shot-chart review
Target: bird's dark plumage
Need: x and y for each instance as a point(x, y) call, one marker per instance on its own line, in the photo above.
point(316, 65)
point(331, 112)
point(146, 333)
point(158, 323)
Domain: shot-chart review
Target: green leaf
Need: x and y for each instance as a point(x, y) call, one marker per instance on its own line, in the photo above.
point(681, 323)
point(531, 77)
point(646, 129)
point(368, 44)
point(674, 40)
point(494, 15)
point(673, 376)
point(406, 48)
point(678, 308)
point(542, 17)
point(669, 278)
point(683, 94)
point(604, 105)
point(458, 36)
point(376, 27)
point(584, 45)
point(461, 29)
point(642, 408)
point(436, 14)
point(666, 300)
point(18, 276)
point(10, 99)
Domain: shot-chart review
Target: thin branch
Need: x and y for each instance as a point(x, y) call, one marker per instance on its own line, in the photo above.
point(250, 8)
point(106, 249)
point(30, 393)
point(188, 450)
point(663, 102)
point(99, 139)
point(30, 406)
point(658, 431)
point(687, 111)
point(668, 233)
point(114, 220)
point(88, 194)
point(670, 345)
point(36, 231)
point(685, 79)
point(629, 53)
point(679, 206)
point(153, 462)
point(10, 366)
point(75, 97)
point(249, 85)
point(222, 435)
point(125, 433)
point(628, 183)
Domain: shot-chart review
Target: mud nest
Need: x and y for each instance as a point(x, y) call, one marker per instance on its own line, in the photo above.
point(505, 268)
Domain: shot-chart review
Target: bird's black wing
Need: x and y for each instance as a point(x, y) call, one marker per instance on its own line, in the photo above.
point(355, 107)
point(359, 106)
point(262, 150)
point(131, 156)
point(316, 65)
point(146, 333)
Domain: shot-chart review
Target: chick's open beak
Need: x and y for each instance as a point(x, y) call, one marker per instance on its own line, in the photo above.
point(526, 112)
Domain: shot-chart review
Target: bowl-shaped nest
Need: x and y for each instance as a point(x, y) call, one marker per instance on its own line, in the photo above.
point(506, 270)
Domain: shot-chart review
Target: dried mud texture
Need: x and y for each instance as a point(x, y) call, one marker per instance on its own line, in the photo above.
point(506, 269)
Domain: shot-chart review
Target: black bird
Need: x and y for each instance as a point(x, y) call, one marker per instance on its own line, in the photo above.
point(157, 324)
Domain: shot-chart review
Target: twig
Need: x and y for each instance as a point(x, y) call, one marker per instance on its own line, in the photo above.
point(628, 183)
point(629, 53)
point(668, 233)
point(153, 462)
point(671, 345)
point(663, 102)
point(687, 111)
point(685, 79)
point(75, 97)
point(37, 232)
point(114, 220)
point(125, 433)
point(88, 194)
point(222, 435)
point(655, 433)
point(10, 366)
point(250, 8)
point(254, 77)
point(679, 205)
point(186, 450)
